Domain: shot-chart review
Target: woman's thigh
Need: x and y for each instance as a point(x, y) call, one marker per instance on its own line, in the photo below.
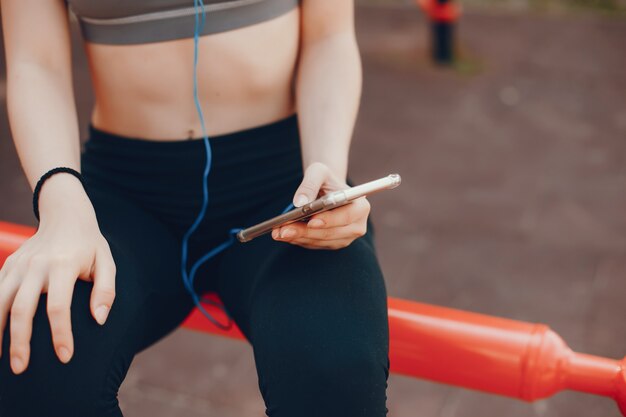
point(317, 321)
point(150, 302)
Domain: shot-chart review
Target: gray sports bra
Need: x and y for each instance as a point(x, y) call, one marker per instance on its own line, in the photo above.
point(122, 22)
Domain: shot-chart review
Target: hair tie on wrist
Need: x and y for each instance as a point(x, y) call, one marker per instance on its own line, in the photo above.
point(47, 175)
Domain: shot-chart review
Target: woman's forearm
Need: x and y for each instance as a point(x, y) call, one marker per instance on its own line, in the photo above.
point(44, 126)
point(43, 121)
point(328, 92)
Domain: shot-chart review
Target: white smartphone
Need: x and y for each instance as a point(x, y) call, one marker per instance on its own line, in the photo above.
point(324, 203)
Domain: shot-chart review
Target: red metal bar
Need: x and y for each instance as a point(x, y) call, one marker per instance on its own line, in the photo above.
point(522, 360)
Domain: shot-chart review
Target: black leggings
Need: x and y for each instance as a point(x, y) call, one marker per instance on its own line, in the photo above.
point(316, 319)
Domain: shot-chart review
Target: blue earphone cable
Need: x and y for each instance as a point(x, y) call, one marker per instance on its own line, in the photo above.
point(188, 279)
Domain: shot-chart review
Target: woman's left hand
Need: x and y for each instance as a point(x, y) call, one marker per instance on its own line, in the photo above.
point(332, 229)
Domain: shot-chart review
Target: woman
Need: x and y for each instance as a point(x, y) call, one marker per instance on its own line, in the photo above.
point(279, 84)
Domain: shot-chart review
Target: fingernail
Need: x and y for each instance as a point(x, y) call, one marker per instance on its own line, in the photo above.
point(101, 314)
point(64, 354)
point(288, 233)
point(301, 200)
point(17, 364)
point(316, 223)
point(275, 233)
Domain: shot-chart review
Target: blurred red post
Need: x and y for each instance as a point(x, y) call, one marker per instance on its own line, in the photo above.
point(522, 360)
point(443, 15)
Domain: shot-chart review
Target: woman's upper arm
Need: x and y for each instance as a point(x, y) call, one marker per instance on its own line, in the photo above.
point(36, 32)
point(323, 18)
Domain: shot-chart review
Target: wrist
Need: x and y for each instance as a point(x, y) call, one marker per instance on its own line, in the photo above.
point(62, 193)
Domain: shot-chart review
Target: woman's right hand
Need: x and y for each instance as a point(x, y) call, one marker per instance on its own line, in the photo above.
point(67, 245)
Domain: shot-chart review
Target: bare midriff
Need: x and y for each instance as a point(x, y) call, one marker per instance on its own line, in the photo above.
point(245, 79)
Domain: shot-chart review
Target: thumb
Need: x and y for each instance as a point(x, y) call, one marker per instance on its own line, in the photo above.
point(314, 177)
point(103, 292)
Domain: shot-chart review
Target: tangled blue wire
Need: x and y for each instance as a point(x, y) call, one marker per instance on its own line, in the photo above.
point(188, 278)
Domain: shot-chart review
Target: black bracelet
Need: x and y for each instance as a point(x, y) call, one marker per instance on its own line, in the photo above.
point(47, 175)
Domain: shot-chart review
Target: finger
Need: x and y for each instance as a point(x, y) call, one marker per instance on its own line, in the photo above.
point(60, 289)
point(314, 243)
point(289, 231)
point(8, 289)
point(103, 293)
point(6, 266)
point(309, 188)
point(22, 314)
point(341, 216)
point(321, 244)
point(296, 231)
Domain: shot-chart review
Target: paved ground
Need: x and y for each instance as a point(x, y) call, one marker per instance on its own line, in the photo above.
point(513, 203)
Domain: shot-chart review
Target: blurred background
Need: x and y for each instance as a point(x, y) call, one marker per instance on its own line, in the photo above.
point(512, 203)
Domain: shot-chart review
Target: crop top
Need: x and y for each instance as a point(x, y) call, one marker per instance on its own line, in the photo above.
point(122, 22)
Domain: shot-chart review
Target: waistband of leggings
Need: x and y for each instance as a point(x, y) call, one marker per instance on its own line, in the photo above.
point(270, 134)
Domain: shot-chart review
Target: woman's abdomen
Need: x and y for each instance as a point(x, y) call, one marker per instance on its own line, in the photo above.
point(245, 79)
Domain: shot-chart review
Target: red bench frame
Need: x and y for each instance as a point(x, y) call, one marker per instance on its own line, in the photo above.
point(522, 360)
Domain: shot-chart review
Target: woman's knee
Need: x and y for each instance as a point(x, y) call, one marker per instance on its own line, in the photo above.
point(345, 377)
point(54, 390)
point(86, 385)
point(321, 339)
point(346, 367)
